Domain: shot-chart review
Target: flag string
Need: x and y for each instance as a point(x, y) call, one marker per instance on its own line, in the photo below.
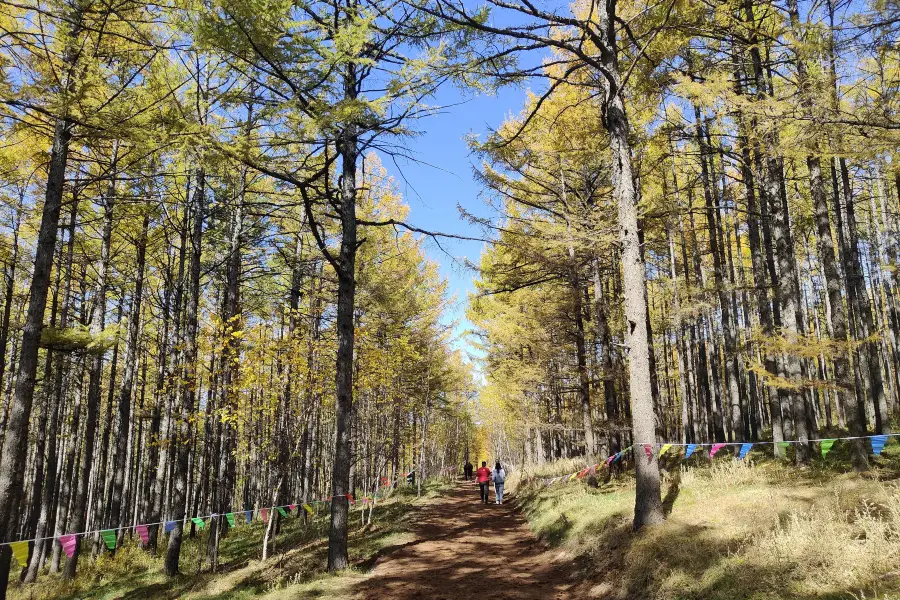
point(878, 442)
point(187, 519)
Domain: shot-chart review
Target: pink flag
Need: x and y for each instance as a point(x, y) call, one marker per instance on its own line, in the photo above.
point(292, 507)
point(715, 448)
point(68, 544)
point(264, 514)
point(143, 533)
point(648, 451)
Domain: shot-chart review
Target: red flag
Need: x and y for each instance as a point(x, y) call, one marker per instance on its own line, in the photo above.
point(648, 451)
point(350, 498)
point(143, 533)
point(264, 514)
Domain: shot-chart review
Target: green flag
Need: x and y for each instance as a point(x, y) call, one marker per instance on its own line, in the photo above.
point(198, 522)
point(230, 518)
point(109, 538)
point(308, 508)
point(826, 446)
point(281, 511)
point(784, 446)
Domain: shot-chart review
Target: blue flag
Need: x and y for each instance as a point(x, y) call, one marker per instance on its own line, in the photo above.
point(170, 525)
point(689, 451)
point(248, 514)
point(745, 448)
point(878, 442)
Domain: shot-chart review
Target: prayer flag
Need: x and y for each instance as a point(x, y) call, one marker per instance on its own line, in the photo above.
point(826, 446)
point(689, 451)
point(610, 459)
point(281, 511)
point(198, 522)
point(745, 448)
point(170, 525)
point(230, 518)
point(308, 508)
point(350, 498)
point(20, 551)
point(109, 538)
point(248, 514)
point(292, 507)
point(878, 442)
point(715, 448)
point(784, 446)
point(264, 515)
point(143, 533)
point(664, 449)
point(385, 481)
point(648, 451)
point(68, 542)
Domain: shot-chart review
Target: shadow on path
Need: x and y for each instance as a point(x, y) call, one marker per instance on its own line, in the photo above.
point(466, 549)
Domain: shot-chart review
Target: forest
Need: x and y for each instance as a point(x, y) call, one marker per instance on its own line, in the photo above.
point(213, 299)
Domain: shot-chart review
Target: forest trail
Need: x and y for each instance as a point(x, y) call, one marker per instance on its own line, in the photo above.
point(466, 549)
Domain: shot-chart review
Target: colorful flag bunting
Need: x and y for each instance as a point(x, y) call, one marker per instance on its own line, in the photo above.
point(715, 448)
point(170, 525)
point(308, 508)
point(109, 538)
point(143, 533)
point(610, 459)
point(68, 543)
point(198, 522)
point(264, 515)
point(745, 448)
point(281, 511)
point(689, 451)
point(230, 518)
point(878, 442)
point(826, 446)
point(664, 449)
point(20, 552)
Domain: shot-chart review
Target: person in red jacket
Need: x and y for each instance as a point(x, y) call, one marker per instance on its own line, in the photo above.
point(483, 477)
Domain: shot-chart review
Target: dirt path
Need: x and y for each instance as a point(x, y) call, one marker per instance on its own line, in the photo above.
point(466, 549)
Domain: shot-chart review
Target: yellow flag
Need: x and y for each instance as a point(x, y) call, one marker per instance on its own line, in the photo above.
point(664, 449)
point(20, 551)
point(308, 508)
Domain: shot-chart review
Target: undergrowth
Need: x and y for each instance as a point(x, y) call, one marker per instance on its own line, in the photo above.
point(754, 529)
point(295, 568)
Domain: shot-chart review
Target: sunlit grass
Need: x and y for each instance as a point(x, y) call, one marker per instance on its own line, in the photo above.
point(294, 570)
point(755, 529)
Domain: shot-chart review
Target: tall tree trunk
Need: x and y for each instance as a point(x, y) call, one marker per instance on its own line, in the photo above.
point(117, 515)
point(648, 503)
point(189, 382)
point(15, 442)
point(95, 374)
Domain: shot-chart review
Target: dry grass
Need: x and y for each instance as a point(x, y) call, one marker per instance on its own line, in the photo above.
point(736, 531)
point(294, 571)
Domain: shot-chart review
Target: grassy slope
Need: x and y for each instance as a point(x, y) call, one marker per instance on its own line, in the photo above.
point(755, 530)
point(294, 571)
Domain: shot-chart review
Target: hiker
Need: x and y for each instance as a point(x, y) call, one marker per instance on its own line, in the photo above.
point(483, 477)
point(467, 470)
point(499, 477)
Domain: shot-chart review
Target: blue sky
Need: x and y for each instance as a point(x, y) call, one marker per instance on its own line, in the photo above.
point(443, 178)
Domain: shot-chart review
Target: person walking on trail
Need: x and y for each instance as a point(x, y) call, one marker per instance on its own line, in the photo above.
point(499, 477)
point(483, 477)
point(467, 470)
